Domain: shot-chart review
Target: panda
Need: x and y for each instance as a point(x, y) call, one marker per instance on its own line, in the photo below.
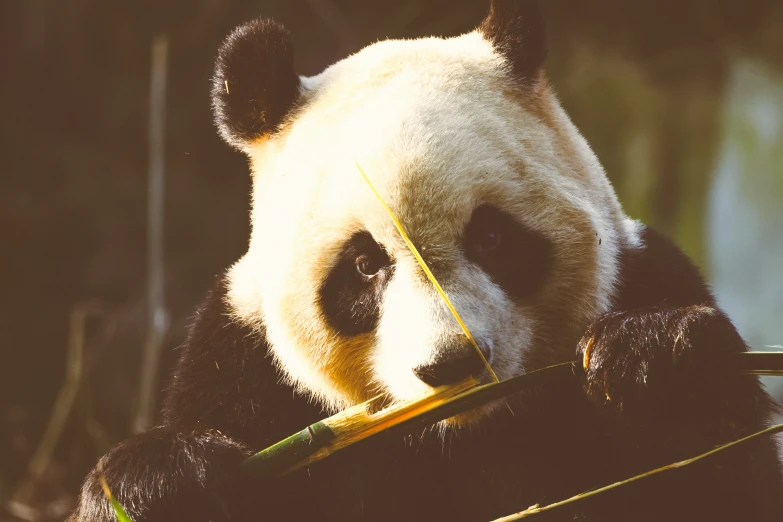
point(513, 213)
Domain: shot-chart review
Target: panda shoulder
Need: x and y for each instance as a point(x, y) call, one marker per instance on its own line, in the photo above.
point(656, 272)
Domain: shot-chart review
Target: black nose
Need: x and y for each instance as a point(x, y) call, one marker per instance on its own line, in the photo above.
point(452, 366)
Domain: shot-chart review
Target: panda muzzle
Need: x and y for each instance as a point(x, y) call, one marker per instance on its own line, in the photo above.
point(455, 362)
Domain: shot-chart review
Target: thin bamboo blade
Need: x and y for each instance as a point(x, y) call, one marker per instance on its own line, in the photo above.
point(428, 272)
point(536, 510)
point(761, 363)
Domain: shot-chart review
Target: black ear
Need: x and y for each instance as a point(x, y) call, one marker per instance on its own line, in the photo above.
point(254, 85)
point(516, 29)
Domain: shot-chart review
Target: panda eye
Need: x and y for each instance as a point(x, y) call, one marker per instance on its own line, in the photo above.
point(488, 240)
point(484, 235)
point(369, 265)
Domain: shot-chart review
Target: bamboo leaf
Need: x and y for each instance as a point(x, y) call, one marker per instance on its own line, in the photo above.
point(122, 516)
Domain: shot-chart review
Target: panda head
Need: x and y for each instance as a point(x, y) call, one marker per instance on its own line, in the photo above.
point(470, 149)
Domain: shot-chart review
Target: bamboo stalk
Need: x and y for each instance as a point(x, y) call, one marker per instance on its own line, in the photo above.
point(356, 424)
point(63, 405)
point(157, 317)
point(330, 435)
point(761, 363)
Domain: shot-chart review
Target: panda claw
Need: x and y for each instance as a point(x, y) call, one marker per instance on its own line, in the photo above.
point(588, 351)
point(606, 384)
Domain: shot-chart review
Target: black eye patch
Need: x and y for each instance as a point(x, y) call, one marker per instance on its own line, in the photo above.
point(515, 257)
point(351, 294)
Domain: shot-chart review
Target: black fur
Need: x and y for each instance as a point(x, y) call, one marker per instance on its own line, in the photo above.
point(521, 260)
point(351, 301)
point(226, 399)
point(170, 473)
point(254, 86)
point(226, 365)
point(516, 28)
point(659, 275)
point(641, 359)
point(666, 316)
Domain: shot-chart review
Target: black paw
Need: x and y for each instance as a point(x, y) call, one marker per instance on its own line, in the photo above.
point(167, 475)
point(634, 357)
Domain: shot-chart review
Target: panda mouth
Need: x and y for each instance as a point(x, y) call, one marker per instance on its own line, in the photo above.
point(475, 416)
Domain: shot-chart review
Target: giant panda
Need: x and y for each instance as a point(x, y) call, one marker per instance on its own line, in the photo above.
point(513, 213)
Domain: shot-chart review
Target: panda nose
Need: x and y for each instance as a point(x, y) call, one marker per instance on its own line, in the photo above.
point(457, 362)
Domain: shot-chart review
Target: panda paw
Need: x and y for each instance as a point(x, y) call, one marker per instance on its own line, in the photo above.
point(655, 356)
point(166, 474)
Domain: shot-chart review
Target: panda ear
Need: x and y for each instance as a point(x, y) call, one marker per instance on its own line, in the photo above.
point(516, 29)
point(254, 85)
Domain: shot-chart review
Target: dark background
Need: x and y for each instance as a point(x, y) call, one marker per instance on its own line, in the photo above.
point(665, 91)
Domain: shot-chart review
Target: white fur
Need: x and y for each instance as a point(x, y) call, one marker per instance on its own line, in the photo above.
point(439, 127)
point(633, 233)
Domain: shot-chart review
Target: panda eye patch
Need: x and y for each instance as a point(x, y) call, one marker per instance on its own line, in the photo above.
point(351, 294)
point(515, 257)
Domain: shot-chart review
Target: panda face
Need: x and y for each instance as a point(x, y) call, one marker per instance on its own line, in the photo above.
point(493, 184)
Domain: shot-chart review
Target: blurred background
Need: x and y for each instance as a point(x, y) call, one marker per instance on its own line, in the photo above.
point(682, 101)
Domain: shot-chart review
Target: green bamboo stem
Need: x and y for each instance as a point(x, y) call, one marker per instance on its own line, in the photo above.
point(302, 449)
point(290, 451)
